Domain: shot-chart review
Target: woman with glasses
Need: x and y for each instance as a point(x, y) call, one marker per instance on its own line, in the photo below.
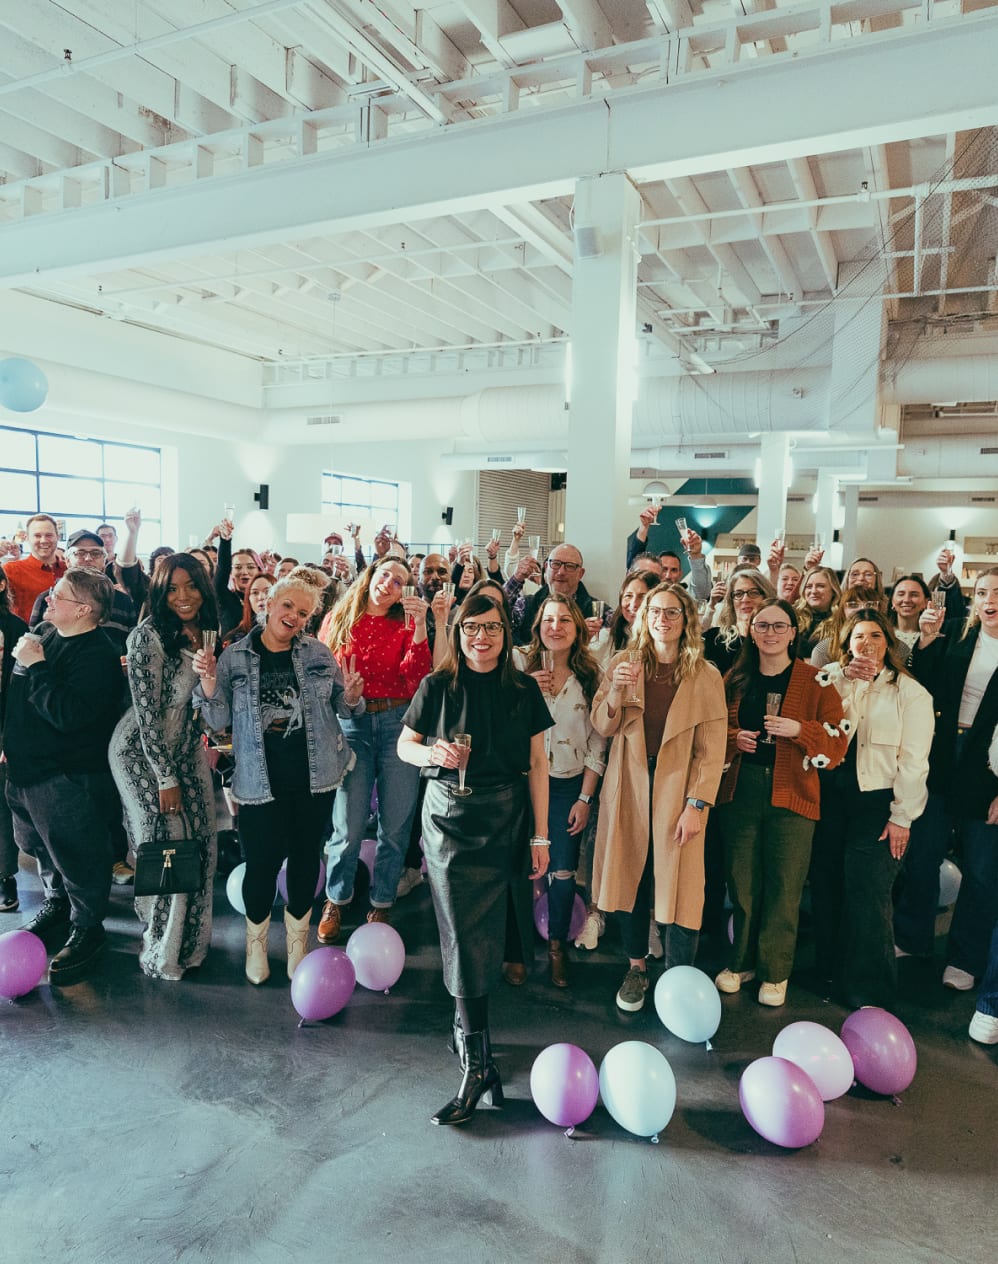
point(160, 764)
point(862, 573)
point(478, 714)
point(380, 633)
point(783, 725)
point(575, 753)
point(665, 713)
point(867, 808)
point(745, 592)
point(852, 599)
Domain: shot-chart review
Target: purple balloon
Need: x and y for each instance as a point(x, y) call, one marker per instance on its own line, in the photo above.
point(575, 925)
point(323, 983)
point(367, 849)
point(882, 1049)
point(781, 1102)
point(820, 1053)
point(282, 881)
point(22, 962)
point(564, 1084)
point(378, 955)
point(731, 929)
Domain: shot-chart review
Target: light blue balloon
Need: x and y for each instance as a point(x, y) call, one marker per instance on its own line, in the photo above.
point(638, 1087)
point(950, 878)
point(688, 1004)
point(23, 386)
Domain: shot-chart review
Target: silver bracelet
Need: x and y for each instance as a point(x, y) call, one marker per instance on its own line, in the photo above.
point(540, 842)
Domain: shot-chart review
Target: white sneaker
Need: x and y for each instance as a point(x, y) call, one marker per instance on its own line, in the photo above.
point(957, 979)
point(773, 993)
point(900, 952)
point(593, 929)
point(731, 980)
point(411, 878)
point(983, 1028)
point(655, 948)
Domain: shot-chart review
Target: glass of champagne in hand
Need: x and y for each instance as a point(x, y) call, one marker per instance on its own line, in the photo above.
point(773, 701)
point(633, 697)
point(463, 742)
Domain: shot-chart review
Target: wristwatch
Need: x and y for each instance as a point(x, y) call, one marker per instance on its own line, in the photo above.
point(585, 798)
point(699, 804)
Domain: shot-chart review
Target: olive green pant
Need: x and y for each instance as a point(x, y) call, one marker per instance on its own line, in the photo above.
point(767, 851)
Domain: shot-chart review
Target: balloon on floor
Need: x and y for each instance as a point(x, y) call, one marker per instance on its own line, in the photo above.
point(882, 1050)
point(950, 878)
point(688, 1004)
point(23, 386)
point(378, 955)
point(781, 1102)
point(234, 888)
point(323, 983)
point(282, 881)
point(22, 963)
point(542, 917)
point(638, 1088)
point(821, 1054)
point(564, 1084)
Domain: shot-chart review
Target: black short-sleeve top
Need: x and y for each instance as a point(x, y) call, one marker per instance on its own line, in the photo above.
point(500, 718)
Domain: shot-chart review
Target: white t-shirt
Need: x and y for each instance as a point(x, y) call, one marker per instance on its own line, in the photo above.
point(982, 667)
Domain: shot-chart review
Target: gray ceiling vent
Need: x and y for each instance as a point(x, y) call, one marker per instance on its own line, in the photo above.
point(982, 500)
point(498, 460)
point(868, 500)
point(325, 419)
point(710, 456)
point(989, 451)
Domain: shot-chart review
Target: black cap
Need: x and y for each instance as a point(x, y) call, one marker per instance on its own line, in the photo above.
point(78, 536)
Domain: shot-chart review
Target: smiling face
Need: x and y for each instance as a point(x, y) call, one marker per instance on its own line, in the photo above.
point(746, 598)
point(868, 641)
point(788, 584)
point(258, 590)
point(243, 570)
point(666, 620)
point(287, 615)
point(818, 592)
point(908, 599)
point(772, 632)
point(631, 599)
point(557, 627)
point(182, 597)
point(986, 603)
point(386, 586)
point(862, 574)
point(434, 573)
point(672, 568)
point(482, 637)
point(564, 570)
point(42, 540)
point(65, 611)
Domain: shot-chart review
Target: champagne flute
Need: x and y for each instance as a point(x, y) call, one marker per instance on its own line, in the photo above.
point(463, 742)
point(521, 513)
point(496, 535)
point(633, 656)
point(547, 664)
point(681, 526)
point(939, 599)
point(408, 590)
point(447, 588)
point(534, 546)
point(229, 512)
point(773, 701)
point(208, 638)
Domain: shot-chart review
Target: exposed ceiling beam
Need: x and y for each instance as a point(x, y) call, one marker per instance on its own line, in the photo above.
point(587, 24)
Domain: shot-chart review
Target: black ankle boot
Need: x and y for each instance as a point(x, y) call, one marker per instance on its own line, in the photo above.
point(456, 1043)
point(50, 923)
point(481, 1079)
point(82, 949)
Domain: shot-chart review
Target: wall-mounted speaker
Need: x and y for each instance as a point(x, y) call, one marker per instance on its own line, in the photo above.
point(587, 242)
point(448, 515)
point(262, 497)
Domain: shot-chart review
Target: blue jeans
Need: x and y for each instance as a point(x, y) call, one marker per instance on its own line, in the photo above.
point(373, 739)
point(564, 854)
point(987, 996)
point(977, 904)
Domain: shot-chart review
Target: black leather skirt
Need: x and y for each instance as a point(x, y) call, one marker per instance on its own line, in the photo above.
point(478, 861)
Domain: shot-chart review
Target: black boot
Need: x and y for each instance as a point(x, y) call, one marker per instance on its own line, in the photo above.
point(456, 1043)
point(8, 894)
point(82, 949)
point(481, 1079)
point(50, 923)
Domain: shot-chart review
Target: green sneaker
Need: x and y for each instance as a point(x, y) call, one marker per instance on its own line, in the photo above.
point(631, 996)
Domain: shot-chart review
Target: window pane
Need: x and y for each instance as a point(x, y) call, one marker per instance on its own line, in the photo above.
point(17, 493)
point(131, 465)
point(62, 497)
point(384, 496)
point(17, 449)
point(122, 496)
point(60, 455)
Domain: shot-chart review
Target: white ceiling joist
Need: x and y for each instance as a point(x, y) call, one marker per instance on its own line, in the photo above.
point(905, 87)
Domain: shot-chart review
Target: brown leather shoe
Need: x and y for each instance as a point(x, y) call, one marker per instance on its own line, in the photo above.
point(329, 923)
point(380, 915)
point(558, 962)
point(514, 972)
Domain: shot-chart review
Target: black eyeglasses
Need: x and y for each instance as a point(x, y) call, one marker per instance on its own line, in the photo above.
point(491, 630)
point(557, 565)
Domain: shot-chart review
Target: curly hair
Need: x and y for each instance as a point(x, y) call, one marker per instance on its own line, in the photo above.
point(727, 617)
point(690, 659)
point(581, 663)
point(353, 604)
point(166, 623)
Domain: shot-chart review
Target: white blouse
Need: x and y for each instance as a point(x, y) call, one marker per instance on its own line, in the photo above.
point(573, 745)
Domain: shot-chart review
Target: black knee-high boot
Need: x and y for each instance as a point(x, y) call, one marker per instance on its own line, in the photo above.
point(480, 1079)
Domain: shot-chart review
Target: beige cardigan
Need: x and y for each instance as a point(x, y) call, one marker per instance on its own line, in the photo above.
point(689, 764)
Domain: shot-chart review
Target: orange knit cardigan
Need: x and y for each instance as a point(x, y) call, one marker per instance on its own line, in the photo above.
point(822, 742)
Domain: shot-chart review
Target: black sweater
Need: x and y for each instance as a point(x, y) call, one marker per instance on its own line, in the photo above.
point(60, 713)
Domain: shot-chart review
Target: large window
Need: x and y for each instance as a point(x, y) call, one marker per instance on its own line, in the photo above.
point(370, 502)
point(80, 482)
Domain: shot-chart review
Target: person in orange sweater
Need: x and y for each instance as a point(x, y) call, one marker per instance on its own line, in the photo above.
point(29, 577)
point(783, 725)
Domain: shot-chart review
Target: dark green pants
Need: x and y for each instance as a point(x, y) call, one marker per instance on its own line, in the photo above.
point(767, 851)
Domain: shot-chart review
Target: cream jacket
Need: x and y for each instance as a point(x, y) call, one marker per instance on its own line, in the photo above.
point(892, 725)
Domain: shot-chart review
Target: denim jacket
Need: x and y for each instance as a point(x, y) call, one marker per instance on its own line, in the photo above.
point(236, 701)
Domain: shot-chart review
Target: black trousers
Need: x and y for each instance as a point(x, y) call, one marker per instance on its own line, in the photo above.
point(292, 825)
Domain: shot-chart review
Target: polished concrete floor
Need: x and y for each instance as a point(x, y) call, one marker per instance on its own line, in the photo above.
point(143, 1122)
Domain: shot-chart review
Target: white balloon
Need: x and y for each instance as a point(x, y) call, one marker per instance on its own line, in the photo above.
point(821, 1054)
point(234, 888)
point(950, 878)
point(688, 1003)
point(638, 1087)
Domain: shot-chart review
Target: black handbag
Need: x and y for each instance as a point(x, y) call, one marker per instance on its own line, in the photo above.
point(168, 866)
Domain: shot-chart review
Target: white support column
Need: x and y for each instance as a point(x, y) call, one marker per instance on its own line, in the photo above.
point(604, 376)
point(860, 328)
point(774, 484)
point(847, 532)
point(826, 503)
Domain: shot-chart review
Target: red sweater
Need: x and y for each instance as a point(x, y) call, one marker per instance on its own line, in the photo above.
point(27, 579)
point(822, 742)
point(392, 666)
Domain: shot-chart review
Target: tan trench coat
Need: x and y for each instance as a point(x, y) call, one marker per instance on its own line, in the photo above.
point(689, 766)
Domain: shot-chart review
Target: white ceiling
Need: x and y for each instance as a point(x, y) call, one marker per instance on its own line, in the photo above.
point(341, 187)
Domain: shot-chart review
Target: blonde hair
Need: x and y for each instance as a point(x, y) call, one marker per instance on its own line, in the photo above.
point(690, 658)
point(973, 618)
point(302, 578)
point(727, 618)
